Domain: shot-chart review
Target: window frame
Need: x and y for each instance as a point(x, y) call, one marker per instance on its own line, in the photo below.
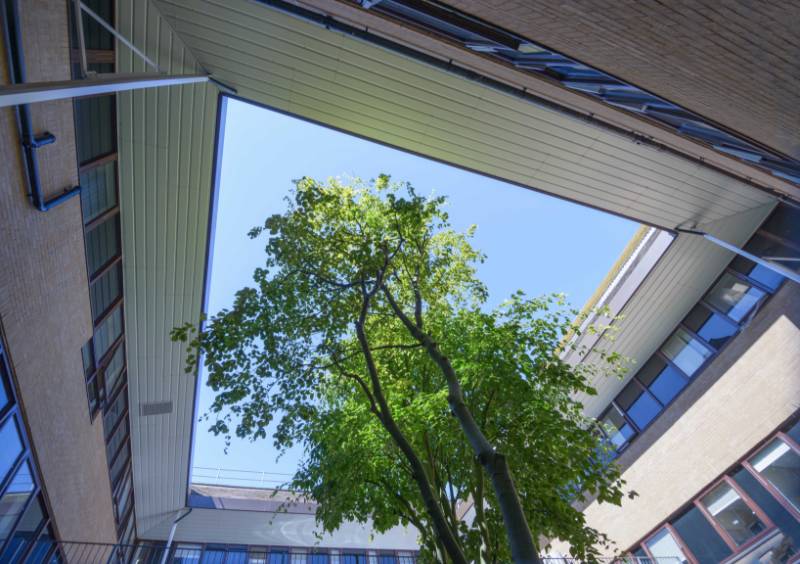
point(774, 491)
point(675, 536)
point(769, 526)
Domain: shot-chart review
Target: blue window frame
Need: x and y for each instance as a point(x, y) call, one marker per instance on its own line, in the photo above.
point(640, 406)
point(663, 380)
point(714, 328)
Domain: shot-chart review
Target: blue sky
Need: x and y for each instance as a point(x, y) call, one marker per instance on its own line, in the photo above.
point(534, 242)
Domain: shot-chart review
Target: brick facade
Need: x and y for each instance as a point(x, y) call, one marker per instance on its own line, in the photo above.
point(44, 300)
point(735, 62)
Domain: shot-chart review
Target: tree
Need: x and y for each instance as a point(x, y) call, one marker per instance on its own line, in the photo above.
point(367, 339)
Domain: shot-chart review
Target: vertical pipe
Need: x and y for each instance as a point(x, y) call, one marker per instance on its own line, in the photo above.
point(76, 4)
point(172, 534)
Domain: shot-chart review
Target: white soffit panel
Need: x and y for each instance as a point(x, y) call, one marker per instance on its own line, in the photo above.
point(295, 66)
point(165, 140)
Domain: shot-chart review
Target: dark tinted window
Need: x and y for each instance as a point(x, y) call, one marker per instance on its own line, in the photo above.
point(774, 510)
point(25, 532)
point(107, 332)
point(663, 381)
point(640, 406)
point(14, 499)
point(94, 127)
point(105, 290)
point(715, 329)
point(618, 431)
point(98, 190)
point(4, 397)
point(701, 538)
point(10, 446)
point(354, 559)
point(102, 244)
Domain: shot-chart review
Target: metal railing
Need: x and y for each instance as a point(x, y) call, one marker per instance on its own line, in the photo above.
point(179, 553)
point(231, 477)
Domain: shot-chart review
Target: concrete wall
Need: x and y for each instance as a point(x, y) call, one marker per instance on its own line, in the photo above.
point(44, 301)
point(748, 391)
point(734, 62)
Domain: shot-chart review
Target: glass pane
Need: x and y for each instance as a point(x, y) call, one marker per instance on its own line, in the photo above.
point(10, 446)
point(662, 379)
point(4, 397)
point(102, 244)
point(779, 464)
point(236, 557)
point(664, 545)
point(685, 351)
point(278, 557)
point(257, 556)
point(213, 556)
point(13, 501)
point(107, 332)
point(105, 290)
point(95, 36)
point(114, 369)
point(387, 559)
point(94, 127)
point(98, 190)
point(616, 428)
point(734, 297)
point(713, 327)
point(640, 406)
point(115, 411)
point(732, 513)
point(25, 532)
point(318, 559)
point(775, 251)
point(120, 465)
point(353, 559)
point(186, 554)
point(700, 537)
point(762, 274)
point(43, 544)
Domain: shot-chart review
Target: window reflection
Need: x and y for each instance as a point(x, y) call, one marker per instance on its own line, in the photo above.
point(10, 446)
point(731, 513)
point(664, 545)
point(714, 328)
point(13, 501)
point(618, 431)
point(685, 351)
point(779, 464)
point(662, 379)
point(734, 297)
point(640, 406)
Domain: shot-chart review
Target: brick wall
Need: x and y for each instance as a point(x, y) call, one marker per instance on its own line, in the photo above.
point(736, 62)
point(748, 391)
point(44, 301)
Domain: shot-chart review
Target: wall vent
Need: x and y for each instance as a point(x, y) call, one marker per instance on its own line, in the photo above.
point(155, 408)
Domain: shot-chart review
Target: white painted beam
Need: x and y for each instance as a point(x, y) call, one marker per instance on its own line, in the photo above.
point(33, 92)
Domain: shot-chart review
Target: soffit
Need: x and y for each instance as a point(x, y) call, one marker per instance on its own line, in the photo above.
point(165, 141)
point(295, 66)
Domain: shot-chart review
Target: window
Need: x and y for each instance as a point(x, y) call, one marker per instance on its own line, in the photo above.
point(664, 545)
point(95, 120)
point(640, 406)
point(730, 512)
point(107, 332)
point(278, 557)
point(713, 328)
point(186, 554)
point(760, 274)
point(32, 519)
point(350, 558)
point(10, 446)
point(734, 297)
point(387, 559)
point(98, 190)
point(700, 537)
point(105, 290)
point(779, 464)
point(663, 380)
point(686, 352)
point(13, 502)
point(4, 395)
point(116, 410)
point(318, 559)
point(616, 428)
point(113, 370)
point(102, 244)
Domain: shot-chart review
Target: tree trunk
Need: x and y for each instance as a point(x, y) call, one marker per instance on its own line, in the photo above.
point(520, 539)
point(446, 535)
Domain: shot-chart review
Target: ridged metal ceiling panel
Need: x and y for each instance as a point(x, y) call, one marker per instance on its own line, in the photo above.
point(298, 67)
point(166, 148)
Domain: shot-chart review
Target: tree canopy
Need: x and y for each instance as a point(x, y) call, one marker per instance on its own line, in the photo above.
point(367, 338)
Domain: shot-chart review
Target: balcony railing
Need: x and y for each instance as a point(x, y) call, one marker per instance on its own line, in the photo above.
point(98, 553)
